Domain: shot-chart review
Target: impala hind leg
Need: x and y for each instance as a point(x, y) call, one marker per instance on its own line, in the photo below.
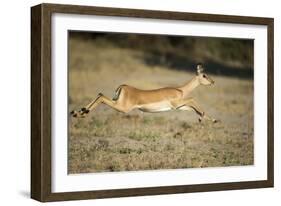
point(100, 99)
point(111, 103)
point(84, 110)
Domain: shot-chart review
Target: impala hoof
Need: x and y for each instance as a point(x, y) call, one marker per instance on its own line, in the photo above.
point(216, 121)
point(84, 110)
point(73, 113)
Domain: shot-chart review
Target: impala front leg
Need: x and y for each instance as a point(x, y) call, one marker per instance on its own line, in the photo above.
point(191, 103)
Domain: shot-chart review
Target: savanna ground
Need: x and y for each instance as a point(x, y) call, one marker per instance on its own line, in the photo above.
point(107, 140)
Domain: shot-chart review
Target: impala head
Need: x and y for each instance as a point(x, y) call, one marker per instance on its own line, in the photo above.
point(203, 78)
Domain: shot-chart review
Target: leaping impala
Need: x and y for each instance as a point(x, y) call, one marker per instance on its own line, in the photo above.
point(128, 98)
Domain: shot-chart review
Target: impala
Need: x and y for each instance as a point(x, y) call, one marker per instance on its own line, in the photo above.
point(128, 98)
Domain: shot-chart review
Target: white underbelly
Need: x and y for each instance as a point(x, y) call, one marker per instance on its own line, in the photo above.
point(156, 107)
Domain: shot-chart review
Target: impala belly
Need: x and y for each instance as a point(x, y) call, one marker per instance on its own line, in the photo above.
point(156, 107)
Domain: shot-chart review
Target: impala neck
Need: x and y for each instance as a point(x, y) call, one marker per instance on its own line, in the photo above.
point(190, 86)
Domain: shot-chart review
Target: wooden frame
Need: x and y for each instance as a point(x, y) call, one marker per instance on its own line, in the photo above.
point(41, 102)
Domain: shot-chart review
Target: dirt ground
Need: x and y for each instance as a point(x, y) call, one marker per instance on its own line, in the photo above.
point(107, 140)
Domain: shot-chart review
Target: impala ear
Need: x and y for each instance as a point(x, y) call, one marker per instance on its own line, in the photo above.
point(200, 68)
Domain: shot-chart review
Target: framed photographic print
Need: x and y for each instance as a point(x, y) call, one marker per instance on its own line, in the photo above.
point(132, 102)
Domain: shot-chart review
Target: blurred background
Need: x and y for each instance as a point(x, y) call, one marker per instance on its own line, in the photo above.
point(222, 56)
point(111, 141)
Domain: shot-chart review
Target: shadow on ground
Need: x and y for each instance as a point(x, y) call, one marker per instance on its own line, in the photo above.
point(24, 193)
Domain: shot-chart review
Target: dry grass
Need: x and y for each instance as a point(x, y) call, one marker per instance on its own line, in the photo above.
point(111, 141)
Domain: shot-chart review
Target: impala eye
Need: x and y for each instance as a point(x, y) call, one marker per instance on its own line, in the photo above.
point(204, 76)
